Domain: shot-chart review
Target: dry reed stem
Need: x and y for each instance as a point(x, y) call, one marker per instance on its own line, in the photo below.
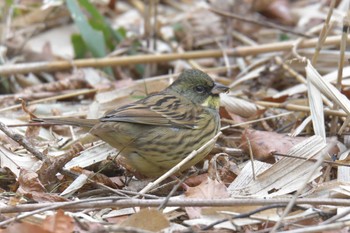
point(300, 108)
point(157, 58)
point(345, 33)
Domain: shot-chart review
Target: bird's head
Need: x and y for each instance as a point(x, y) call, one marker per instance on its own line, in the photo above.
point(198, 87)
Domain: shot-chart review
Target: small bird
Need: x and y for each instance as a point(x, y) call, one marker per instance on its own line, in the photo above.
point(155, 133)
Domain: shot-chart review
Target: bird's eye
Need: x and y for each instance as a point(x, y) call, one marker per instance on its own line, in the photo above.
point(199, 89)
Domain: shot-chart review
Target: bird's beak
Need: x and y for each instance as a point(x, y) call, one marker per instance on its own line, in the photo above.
point(219, 88)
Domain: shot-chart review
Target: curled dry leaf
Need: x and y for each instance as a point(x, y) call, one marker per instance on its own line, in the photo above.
point(221, 168)
point(238, 106)
point(30, 186)
point(264, 144)
point(32, 132)
point(29, 182)
point(51, 166)
point(78, 182)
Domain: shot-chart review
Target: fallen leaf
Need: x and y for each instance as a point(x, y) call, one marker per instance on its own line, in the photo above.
point(58, 223)
point(277, 9)
point(25, 227)
point(29, 182)
point(221, 168)
point(209, 189)
point(147, 219)
point(14, 162)
point(237, 106)
point(31, 187)
point(52, 165)
point(264, 144)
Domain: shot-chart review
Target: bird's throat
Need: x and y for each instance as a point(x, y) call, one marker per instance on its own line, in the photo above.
point(212, 102)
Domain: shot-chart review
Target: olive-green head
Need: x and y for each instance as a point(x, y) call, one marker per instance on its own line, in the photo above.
point(198, 87)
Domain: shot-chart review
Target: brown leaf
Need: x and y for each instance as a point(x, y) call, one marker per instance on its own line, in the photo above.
point(32, 132)
point(221, 168)
point(209, 189)
point(29, 182)
point(196, 180)
point(100, 178)
point(25, 227)
point(51, 166)
point(276, 9)
point(59, 223)
point(147, 219)
point(264, 143)
point(45, 197)
point(30, 186)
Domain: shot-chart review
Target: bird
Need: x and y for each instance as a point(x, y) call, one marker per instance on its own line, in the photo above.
point(155, 133)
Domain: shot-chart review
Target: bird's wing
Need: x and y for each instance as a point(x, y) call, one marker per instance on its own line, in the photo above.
point(158, 109)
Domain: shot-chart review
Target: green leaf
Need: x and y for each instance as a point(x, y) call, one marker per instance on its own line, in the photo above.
point(93, 39)
point(5, 86)
point(284, 37)
point(100, 23)
point(79, 46)
point(177, 27)
point(109, 41)
point(120, 33)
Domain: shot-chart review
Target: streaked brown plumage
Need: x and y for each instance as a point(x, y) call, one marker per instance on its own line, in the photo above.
point(157, 132)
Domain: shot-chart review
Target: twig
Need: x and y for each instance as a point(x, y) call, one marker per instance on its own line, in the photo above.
point(173, 190)
point(245, 215)
point(251, 156)
point(290, 70)
point(336, 217)
point(8, 69)
point(22, 141)
point(37, 211)
point(255, 121)
point(114, 202)
point(322, 228)
point(260, 23)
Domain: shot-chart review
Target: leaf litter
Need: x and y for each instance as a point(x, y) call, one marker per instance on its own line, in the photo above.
point(285, 121)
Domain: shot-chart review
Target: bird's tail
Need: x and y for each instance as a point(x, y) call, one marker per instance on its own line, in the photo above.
point(83, 123)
